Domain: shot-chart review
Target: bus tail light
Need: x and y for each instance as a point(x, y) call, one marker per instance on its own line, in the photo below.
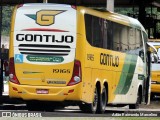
point(77, 74)
point(12, 75)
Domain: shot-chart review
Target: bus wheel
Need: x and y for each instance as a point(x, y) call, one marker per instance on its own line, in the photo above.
point(102, 100)
point(136, 105)
point(90, 107)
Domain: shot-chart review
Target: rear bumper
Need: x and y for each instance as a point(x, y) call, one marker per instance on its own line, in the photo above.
point(155, 88)
point(28, 92)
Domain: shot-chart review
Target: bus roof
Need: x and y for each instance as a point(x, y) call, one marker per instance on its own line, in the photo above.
point(45, 4)
point(115, 17)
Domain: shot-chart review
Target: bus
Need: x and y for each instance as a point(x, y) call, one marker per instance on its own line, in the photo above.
point(78, 56)
point(155, 69)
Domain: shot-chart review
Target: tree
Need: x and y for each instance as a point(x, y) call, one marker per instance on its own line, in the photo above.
point(6, 19)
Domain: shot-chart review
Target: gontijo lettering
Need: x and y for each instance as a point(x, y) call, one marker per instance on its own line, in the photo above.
point(44, 38)
point(109, 60)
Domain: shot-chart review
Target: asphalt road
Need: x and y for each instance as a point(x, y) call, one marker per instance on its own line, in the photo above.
point(20, 110)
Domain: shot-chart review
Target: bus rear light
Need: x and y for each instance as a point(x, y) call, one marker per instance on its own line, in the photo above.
point(12, 75)
point(77, 74)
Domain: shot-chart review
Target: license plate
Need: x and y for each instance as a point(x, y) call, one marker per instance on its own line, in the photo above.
point(42, 91)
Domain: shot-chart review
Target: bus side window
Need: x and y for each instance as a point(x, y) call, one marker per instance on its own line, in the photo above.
point(96, 33)
point(132, 40)
point(110, 35)
point(88, 27)
point(104, 33)
point(116, 36)
point(93, 30)
point(99, 32)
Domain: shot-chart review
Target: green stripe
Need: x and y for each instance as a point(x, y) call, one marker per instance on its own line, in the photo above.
point(127, 74)
point(32, 16)
point(130, 74)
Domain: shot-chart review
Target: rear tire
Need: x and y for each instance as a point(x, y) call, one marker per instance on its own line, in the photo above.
point(102, 101)
point(90, 107)
point(136, 105)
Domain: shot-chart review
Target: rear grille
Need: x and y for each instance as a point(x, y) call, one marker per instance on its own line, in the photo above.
point(36, 49)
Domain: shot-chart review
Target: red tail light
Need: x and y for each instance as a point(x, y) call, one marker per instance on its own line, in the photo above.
point(12, 75)
point(77, 74)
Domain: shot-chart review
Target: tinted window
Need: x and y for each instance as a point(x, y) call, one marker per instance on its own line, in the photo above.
point(98, 32)
point(114, 36)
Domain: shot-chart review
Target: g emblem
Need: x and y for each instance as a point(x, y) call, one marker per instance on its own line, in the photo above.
point(47, 17)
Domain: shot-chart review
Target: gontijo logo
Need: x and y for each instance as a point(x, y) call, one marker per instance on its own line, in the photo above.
point(45, 17)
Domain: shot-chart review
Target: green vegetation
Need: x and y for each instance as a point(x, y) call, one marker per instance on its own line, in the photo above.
point(126, 11)
point(6, 19)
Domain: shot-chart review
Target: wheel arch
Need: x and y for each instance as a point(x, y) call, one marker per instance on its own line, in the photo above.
point(99, 86)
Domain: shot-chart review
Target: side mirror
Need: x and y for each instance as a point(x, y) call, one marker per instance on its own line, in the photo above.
point(154, 58)
point(154, 53)
point(151, 48)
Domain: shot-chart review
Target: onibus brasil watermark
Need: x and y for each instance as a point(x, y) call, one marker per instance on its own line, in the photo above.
point(136, 114)
point(20, 114)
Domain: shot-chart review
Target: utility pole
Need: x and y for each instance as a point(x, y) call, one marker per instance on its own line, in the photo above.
point(45, 1)
point(110, 5)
